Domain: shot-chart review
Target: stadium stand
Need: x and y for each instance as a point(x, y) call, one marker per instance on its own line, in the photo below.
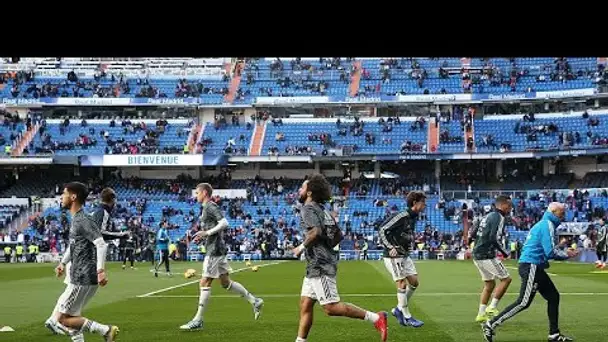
point(451, 137)
point(111, 137)
point(106, 78)
point(540, 132)
point(404, 76)
point(300, 136)
point(209, 79)
point(223, 138)
point(296, 77)
point(216, 80)
point(504, 75)
point(493, 133)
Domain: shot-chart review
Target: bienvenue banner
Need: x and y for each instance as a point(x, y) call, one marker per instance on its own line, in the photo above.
point(154, 160)
point(143, 160)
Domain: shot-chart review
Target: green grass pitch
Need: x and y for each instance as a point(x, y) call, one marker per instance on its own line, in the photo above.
point(151, 309)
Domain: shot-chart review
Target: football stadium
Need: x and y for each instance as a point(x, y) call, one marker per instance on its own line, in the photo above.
point(304, 199)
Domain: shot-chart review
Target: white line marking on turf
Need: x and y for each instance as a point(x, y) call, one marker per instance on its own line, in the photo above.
point(515, 268)
point(196, 281)
point(436, 294)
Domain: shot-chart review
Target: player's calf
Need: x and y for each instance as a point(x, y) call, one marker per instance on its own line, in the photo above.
point(413, 281)
point(306, 318)
point(379, 319)
point(500, 291)
point(336, 309)
point(239, 289)
point(349, 310)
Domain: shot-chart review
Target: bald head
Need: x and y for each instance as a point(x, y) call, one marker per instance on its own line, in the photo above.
point(555, 206)
point(558, 209)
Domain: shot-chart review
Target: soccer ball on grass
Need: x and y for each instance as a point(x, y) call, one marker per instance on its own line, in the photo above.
point(189, 273)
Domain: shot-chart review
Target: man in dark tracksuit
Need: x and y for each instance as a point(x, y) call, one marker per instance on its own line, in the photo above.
point(539, 248)
point(489, 240)
point(149, 249)
point(130, 244)
point(396, 236)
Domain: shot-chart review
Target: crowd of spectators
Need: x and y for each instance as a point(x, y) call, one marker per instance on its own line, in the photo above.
point(300, 76)
point(184, 88)
point(149, 143)
point(564, 138)
point(103, 85)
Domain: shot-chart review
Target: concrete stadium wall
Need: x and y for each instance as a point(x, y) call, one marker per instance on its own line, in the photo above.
point(581, 165)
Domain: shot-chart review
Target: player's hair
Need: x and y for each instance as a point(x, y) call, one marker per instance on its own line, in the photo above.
point(207, 187)
point(319, 187)
point(80, 190)
point(413, 197)
point(107, 195)
point(502, 199)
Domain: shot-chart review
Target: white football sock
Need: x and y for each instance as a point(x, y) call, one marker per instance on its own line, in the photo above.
point(240, 289)
point(494, 303)
point(94, 327)
point(402, 303)
point(64, 330)
point(482, 309)
point(299, 339)
point(202, 303)
point(78, 337)
point(54, 314)
point(371, 317)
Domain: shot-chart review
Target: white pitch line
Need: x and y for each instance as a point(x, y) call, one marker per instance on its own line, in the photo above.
point(436, 294)
point(196, 281)
point(515, 268)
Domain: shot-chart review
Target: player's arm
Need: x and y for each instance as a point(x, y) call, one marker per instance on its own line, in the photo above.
point(66, 256)
point(215, 213)
point(313, 226)
point(91, 232)
point(493, 226)
point(64, 261)
point(551, 250)
point(389, 229)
